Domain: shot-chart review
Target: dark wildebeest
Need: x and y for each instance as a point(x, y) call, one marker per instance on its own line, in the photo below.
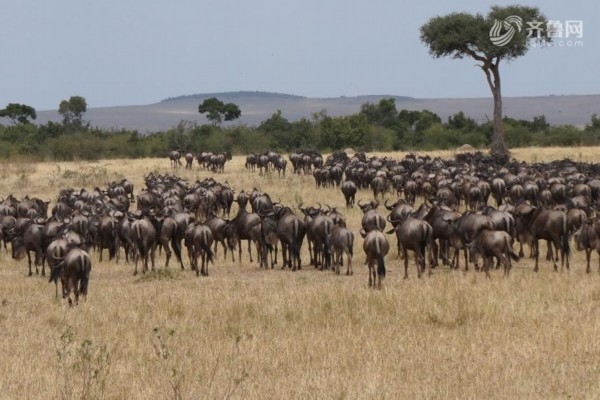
point(169, 232)
point(244, 223)
point(376, 246)
point(144, 233)
point(290, 230)
point(74, 272)
point(280, 165)
point(189, 160)
point(587, 238)
point(465, 229)
point(32, 239)
point(349, 190)
point(550, 225)
point(415, 235)
point(371, 219)
point(202, 240)
point(175, 158)
point(341, 241)
point(494, 243)
point(440, 217)
point(224, 232)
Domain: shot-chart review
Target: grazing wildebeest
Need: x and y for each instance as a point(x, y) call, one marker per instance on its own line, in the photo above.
point(376, 246)
point(175, 158)
point(74, 272)
point(490, 243)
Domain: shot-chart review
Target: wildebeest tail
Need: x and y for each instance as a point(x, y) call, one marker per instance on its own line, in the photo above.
point(565, 239)
point(176, 248)
point(206, 248)
point(350, 237)
point(326, 251)
point(56, 272)
point(380, 262)
point(510, 251)
point(86, 266)
point(295, 242)
point(140, 244)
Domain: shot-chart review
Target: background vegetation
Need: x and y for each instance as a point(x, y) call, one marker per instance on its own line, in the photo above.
point(375, 127)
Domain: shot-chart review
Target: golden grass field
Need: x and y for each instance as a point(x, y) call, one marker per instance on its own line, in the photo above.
point(249, 333)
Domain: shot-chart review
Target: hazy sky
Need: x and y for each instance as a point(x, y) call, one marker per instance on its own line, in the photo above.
point(133, 52)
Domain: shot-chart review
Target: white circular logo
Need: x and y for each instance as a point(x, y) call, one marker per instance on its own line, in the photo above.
point(503, 31)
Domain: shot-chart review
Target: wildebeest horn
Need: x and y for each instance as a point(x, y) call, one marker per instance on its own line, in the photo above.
point(359, 204)
point(386, 205)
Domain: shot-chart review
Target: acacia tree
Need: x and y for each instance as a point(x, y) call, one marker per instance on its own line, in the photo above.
point(72, 111)
point(216, 111)
point(504, 34)
point(18, 113)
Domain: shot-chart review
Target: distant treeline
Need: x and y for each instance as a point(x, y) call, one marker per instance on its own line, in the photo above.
point(376, 127)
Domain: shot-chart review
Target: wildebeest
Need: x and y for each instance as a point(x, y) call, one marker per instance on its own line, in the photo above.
point(550, 225)
point(349, 191)
point(199, 240)
point(30, 238)
point(341, 241)
point(189, 160)
point(491, 243)
point(415, 235)
point(144, 232)
point(376, 247)
point(175, 158)
point(74, 272)
point(587, 238)
point(224, 232)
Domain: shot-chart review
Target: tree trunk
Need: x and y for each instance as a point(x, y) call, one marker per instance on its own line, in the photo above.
point(499, 149)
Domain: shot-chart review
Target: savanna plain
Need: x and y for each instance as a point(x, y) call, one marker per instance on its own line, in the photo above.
point(251, 333)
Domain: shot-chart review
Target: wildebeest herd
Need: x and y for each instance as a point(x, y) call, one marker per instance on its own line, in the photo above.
point(500, 204)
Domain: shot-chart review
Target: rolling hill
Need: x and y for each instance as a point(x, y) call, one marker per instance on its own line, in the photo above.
point(258, 106)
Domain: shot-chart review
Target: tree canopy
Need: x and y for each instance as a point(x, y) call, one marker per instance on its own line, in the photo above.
point(216, 111)
point(72, 111)
point(504, 33)
point(18, 113)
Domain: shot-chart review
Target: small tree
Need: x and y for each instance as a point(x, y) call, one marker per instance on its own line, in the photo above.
point(216, 111)
point(72, 111)
point(502, 34)
point(18, 113)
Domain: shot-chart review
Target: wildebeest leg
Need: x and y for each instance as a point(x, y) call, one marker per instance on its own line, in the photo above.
point(250, 251)
point(466, 251)
point(29, 261)
point(349, 270)
point(405, 255)
point(550, 253)
point(535, 250)
point(588, 254)
point(152, 250)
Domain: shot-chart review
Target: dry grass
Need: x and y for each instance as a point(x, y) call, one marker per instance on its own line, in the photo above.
point(249, 333)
